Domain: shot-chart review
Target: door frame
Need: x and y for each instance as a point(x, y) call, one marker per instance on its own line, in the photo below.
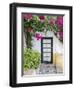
point(47, 62)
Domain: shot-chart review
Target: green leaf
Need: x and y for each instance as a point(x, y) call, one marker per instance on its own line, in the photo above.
point(31, 59)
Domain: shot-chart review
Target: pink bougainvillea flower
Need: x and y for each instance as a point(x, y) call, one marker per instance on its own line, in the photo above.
point(42, 18)
point(59, 21)
point(27, 16)
point(52, 21)
point(60, 34)
point(38, 36)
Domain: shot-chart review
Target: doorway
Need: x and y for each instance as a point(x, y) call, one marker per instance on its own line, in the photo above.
point(47, 50)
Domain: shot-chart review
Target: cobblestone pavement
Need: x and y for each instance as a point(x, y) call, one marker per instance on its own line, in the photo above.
point(48, 69)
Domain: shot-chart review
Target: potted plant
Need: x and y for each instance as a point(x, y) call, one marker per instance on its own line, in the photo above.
point(31, 60)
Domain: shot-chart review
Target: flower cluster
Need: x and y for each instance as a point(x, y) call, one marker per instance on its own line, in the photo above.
point(40, 23)
point(27, 16)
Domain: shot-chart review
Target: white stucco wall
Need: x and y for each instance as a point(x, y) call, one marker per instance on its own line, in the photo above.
point(57, 45)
